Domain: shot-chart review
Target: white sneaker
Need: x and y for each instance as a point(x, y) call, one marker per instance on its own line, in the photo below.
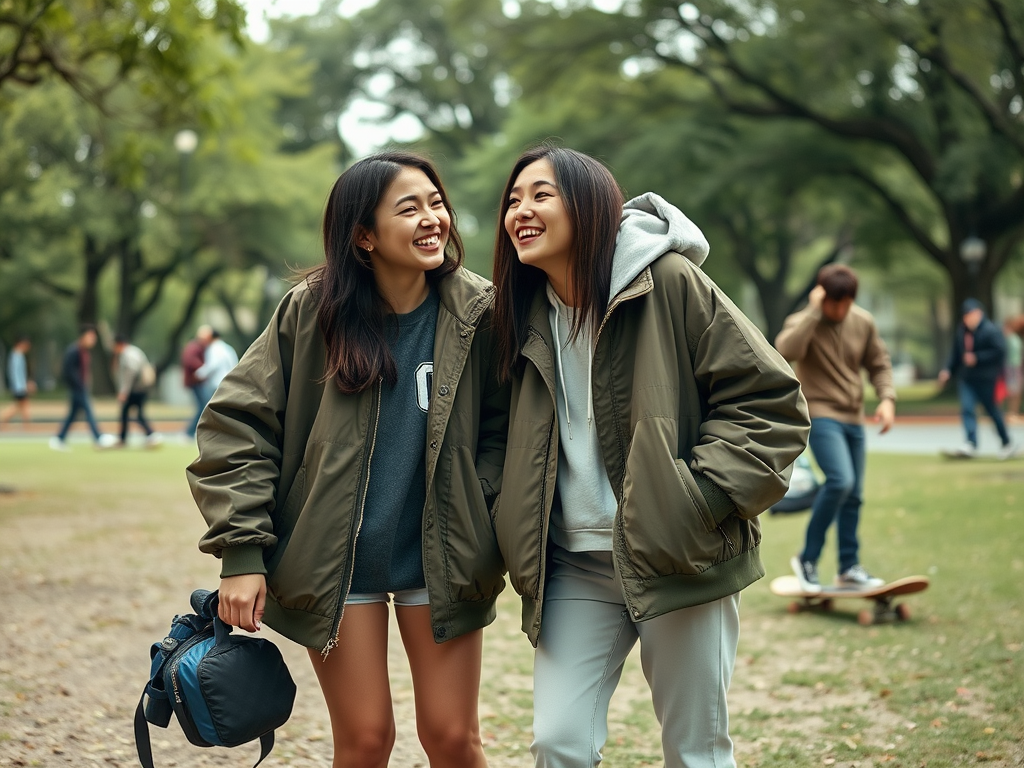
point(155, 440)
point(965, 451)
point(1009, 450)
point(56, 444)
point(107, 441)
point(857, 578)
point(807, 574)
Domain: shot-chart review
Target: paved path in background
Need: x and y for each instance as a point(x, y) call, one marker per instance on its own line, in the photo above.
point(923, 436)
point(913, 434)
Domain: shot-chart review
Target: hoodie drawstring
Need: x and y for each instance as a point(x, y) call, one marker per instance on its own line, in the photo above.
point(558, 306)
point(590, 384)
point(561, 374)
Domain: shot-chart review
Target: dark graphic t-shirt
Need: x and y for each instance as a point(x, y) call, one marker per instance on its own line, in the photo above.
point(389, 551)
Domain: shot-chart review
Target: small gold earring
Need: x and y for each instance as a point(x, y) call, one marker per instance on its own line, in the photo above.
point(369, 249)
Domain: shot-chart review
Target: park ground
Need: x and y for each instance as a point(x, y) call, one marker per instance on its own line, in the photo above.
point(97, 553)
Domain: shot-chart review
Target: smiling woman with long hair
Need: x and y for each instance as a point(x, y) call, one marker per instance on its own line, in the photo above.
point(651, 424)
point(351, 458)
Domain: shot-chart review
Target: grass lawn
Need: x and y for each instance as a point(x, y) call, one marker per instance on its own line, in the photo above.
point(946, 688)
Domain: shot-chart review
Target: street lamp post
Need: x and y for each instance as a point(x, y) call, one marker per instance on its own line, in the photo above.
point(972, 254)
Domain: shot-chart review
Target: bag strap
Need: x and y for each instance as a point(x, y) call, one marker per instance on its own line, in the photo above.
point(142, 744)
point(145, 748)
point(266, 744)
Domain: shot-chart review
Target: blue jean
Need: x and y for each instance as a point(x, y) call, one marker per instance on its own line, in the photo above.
point(975, 393)
point(839, 450)
point(202, 395)
point(79, 402)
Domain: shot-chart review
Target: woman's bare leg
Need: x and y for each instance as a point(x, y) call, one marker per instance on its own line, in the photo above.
point(355, 684)
point(446, 685)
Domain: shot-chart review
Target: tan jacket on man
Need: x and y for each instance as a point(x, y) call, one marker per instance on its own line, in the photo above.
point(829, 357)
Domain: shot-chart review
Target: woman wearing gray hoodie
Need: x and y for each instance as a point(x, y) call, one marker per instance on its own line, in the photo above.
point(650, 424)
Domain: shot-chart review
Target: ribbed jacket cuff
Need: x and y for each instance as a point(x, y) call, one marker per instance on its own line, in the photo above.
point(719, 503)
point(241, 559)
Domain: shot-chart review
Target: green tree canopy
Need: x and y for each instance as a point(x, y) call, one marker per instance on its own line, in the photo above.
point(929, 95)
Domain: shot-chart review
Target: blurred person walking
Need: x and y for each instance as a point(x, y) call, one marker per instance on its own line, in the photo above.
point(977, 357)
point(135, 377)
point(830, 341)
point(1013, 368)
point(218, 360)
point(21, 386)
point(351, 459)
point(76, 372)
point(192, 359)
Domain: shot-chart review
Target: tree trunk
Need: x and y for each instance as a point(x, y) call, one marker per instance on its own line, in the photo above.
point(969, 282)
point(174, 337)
point(130, 263)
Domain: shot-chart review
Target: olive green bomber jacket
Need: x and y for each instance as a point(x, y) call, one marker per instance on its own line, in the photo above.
point(699, 420)
point(284, 458)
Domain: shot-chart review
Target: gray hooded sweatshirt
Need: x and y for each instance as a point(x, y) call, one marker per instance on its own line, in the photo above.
point(650, 227)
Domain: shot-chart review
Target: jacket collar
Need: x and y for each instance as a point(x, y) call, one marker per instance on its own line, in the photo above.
point(465, 295)
point(539, 341)
point(642, 284)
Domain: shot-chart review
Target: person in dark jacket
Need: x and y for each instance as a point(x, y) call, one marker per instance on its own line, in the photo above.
point(350, 458)
point(76, 372)
point(977, 358)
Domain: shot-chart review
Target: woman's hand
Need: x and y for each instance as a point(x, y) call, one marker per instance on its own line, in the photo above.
point(242, 599)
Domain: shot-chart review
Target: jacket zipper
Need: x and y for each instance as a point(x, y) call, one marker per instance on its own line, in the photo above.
point(543, 495)
point(347, 584)
point(617, 522)
point(196, 639)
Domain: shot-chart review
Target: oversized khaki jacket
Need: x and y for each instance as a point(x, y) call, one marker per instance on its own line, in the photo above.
point(699, 420)
point(829, 357)
point(284, 459)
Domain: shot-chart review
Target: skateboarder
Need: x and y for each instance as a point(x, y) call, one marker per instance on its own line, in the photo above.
point(830, 341)
point(977, 356)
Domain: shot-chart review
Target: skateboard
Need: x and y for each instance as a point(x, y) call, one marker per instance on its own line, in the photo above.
point(884, 610)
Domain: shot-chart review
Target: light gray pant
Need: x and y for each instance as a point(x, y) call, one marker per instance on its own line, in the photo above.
point(586, 634)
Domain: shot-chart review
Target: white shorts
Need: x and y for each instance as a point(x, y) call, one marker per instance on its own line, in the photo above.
point(403, 597)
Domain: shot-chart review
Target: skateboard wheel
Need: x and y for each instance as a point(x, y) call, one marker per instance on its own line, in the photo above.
point(866, 618)
point(794, 607)
point(903, 611)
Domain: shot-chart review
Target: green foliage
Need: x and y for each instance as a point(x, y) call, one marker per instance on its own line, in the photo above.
point(114, 223)
point(438, 64)
point(95, 46)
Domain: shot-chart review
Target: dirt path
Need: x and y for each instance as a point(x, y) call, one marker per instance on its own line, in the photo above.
point(97, 553)
point(85, 589)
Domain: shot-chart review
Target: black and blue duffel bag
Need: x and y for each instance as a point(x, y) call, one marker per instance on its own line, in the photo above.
point(225, 689)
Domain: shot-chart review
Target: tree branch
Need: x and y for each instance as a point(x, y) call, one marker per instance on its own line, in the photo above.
point(883, 131)
point(1003, 218)
point(186, 316)
point(996, 119)
point(1012, 44)
point(60, 290)
point(26, 27)
point(902, 215)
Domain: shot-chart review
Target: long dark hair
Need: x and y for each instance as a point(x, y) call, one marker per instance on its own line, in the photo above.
point(352, 314)
point(593, 201)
